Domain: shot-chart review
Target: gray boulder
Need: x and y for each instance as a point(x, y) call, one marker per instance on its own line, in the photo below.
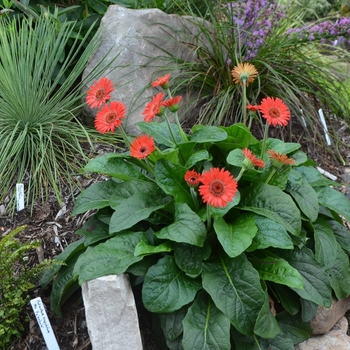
point(142, 41)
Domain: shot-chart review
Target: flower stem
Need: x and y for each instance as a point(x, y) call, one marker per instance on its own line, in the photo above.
point(194, 198)
point(244, 104)
point(208, 218)
point(263, 148)
point(241, 173)
point(124, 136)
point(270, 176)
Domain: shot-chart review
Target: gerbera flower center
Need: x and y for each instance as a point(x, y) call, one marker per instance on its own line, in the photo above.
point(111, 117)
point(274, 112)
point(100, 94)
point(217, 188)
point(143, 149)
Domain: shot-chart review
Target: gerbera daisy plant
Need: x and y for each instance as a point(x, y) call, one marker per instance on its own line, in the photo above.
point(215, 224)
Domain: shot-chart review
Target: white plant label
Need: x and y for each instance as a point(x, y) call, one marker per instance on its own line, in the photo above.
point(19, 197)
point(44, 324)
point(325, 129)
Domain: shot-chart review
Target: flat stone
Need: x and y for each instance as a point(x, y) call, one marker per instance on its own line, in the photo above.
point(336, 339)
point(111, 314)
point(326, 318)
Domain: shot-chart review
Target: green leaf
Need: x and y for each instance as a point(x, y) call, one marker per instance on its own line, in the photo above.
point(239, 136)
point(143, 248)
point(334, 200)
point(208, 134)
point(73, 249)
point(94, 231)
point(64, 286)
point(133, 210)
point(189, 258)
point(170, 177)
point(234, 285)
point(166, 288)
point(113, 164)
point(314, 177)
point(220, 212)
point(280, 342)
point(340, 274)
point(272, 202)
point(94, 197)
point(294, 328)
point(196, 157)
point(325, 244)
point(275, 269)
point(266, 324)
point(161, 133)
point(235, 157)
point(186, 228)
point(341, 234)
point(111, 257)
point(316, 282)
point(171, 323)
point(308, 310)
point(205, 326)
point(237, 236)
point(304, 195)
point(287, 297)
point(282, 147)
point(270, 234)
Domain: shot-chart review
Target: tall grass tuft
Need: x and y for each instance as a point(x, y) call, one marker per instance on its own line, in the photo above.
point(40, 98)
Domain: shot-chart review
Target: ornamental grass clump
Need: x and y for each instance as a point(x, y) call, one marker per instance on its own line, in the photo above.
point(40, 98)
point(290, 65)
point(235, 241)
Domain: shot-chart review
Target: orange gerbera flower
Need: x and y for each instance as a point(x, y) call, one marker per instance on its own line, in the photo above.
point(142, 146)
point(172, 103)
point(163, 82)
point(280, 159)
point(252, 159)
point(218, 187)
point(192, 178)
point(252, 108)
point(110, 117)
point(274, 111)
point(153, 108)
point(99, 93)
point(244, 73)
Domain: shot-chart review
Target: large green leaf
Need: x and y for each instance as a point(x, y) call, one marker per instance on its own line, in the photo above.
point(166, 288)
point(205, 326)
point(133, 210)
point(340, 274)
point(266, 324)
point(334, 200)
point(303, 194)
point(143, 248)
point(171, 323)
point(170, 177)
point(199, 156)
point(316, 282)
point(275, 269)
point(111, 257)
point(93, 231)
point(189, 258)
point(234, 285)
point(314, 177)
point(94, 197)
point(237, 236)
point(114, 164)
point(325, 244)
point(208, 134)
point(285, 296)
point(161, 133)
point(186, 228)
point(272, 202)
point(342, 234)
point(270, 234)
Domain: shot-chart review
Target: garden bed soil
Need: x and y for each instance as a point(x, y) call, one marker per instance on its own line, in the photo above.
point(54, 226)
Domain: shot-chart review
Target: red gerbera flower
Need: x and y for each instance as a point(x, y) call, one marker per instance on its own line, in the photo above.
point(252, 108)
point(153, 108)
point(253, 160)
point(142, 146)
point(280, 159)
point(218, 187)
point(274, 111)
point(172, 103)
point(110, 117)
point(192, 178)
point(99, 93)
point(163, 82)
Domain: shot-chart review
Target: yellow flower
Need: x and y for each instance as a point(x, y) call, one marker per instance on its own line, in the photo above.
point(244, 73)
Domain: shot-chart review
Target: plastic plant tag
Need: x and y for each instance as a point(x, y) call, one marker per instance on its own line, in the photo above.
point(323, 121)
point(44, 324)
point(19, 197)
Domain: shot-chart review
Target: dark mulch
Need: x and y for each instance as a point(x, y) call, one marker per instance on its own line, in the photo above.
point(54, 226)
